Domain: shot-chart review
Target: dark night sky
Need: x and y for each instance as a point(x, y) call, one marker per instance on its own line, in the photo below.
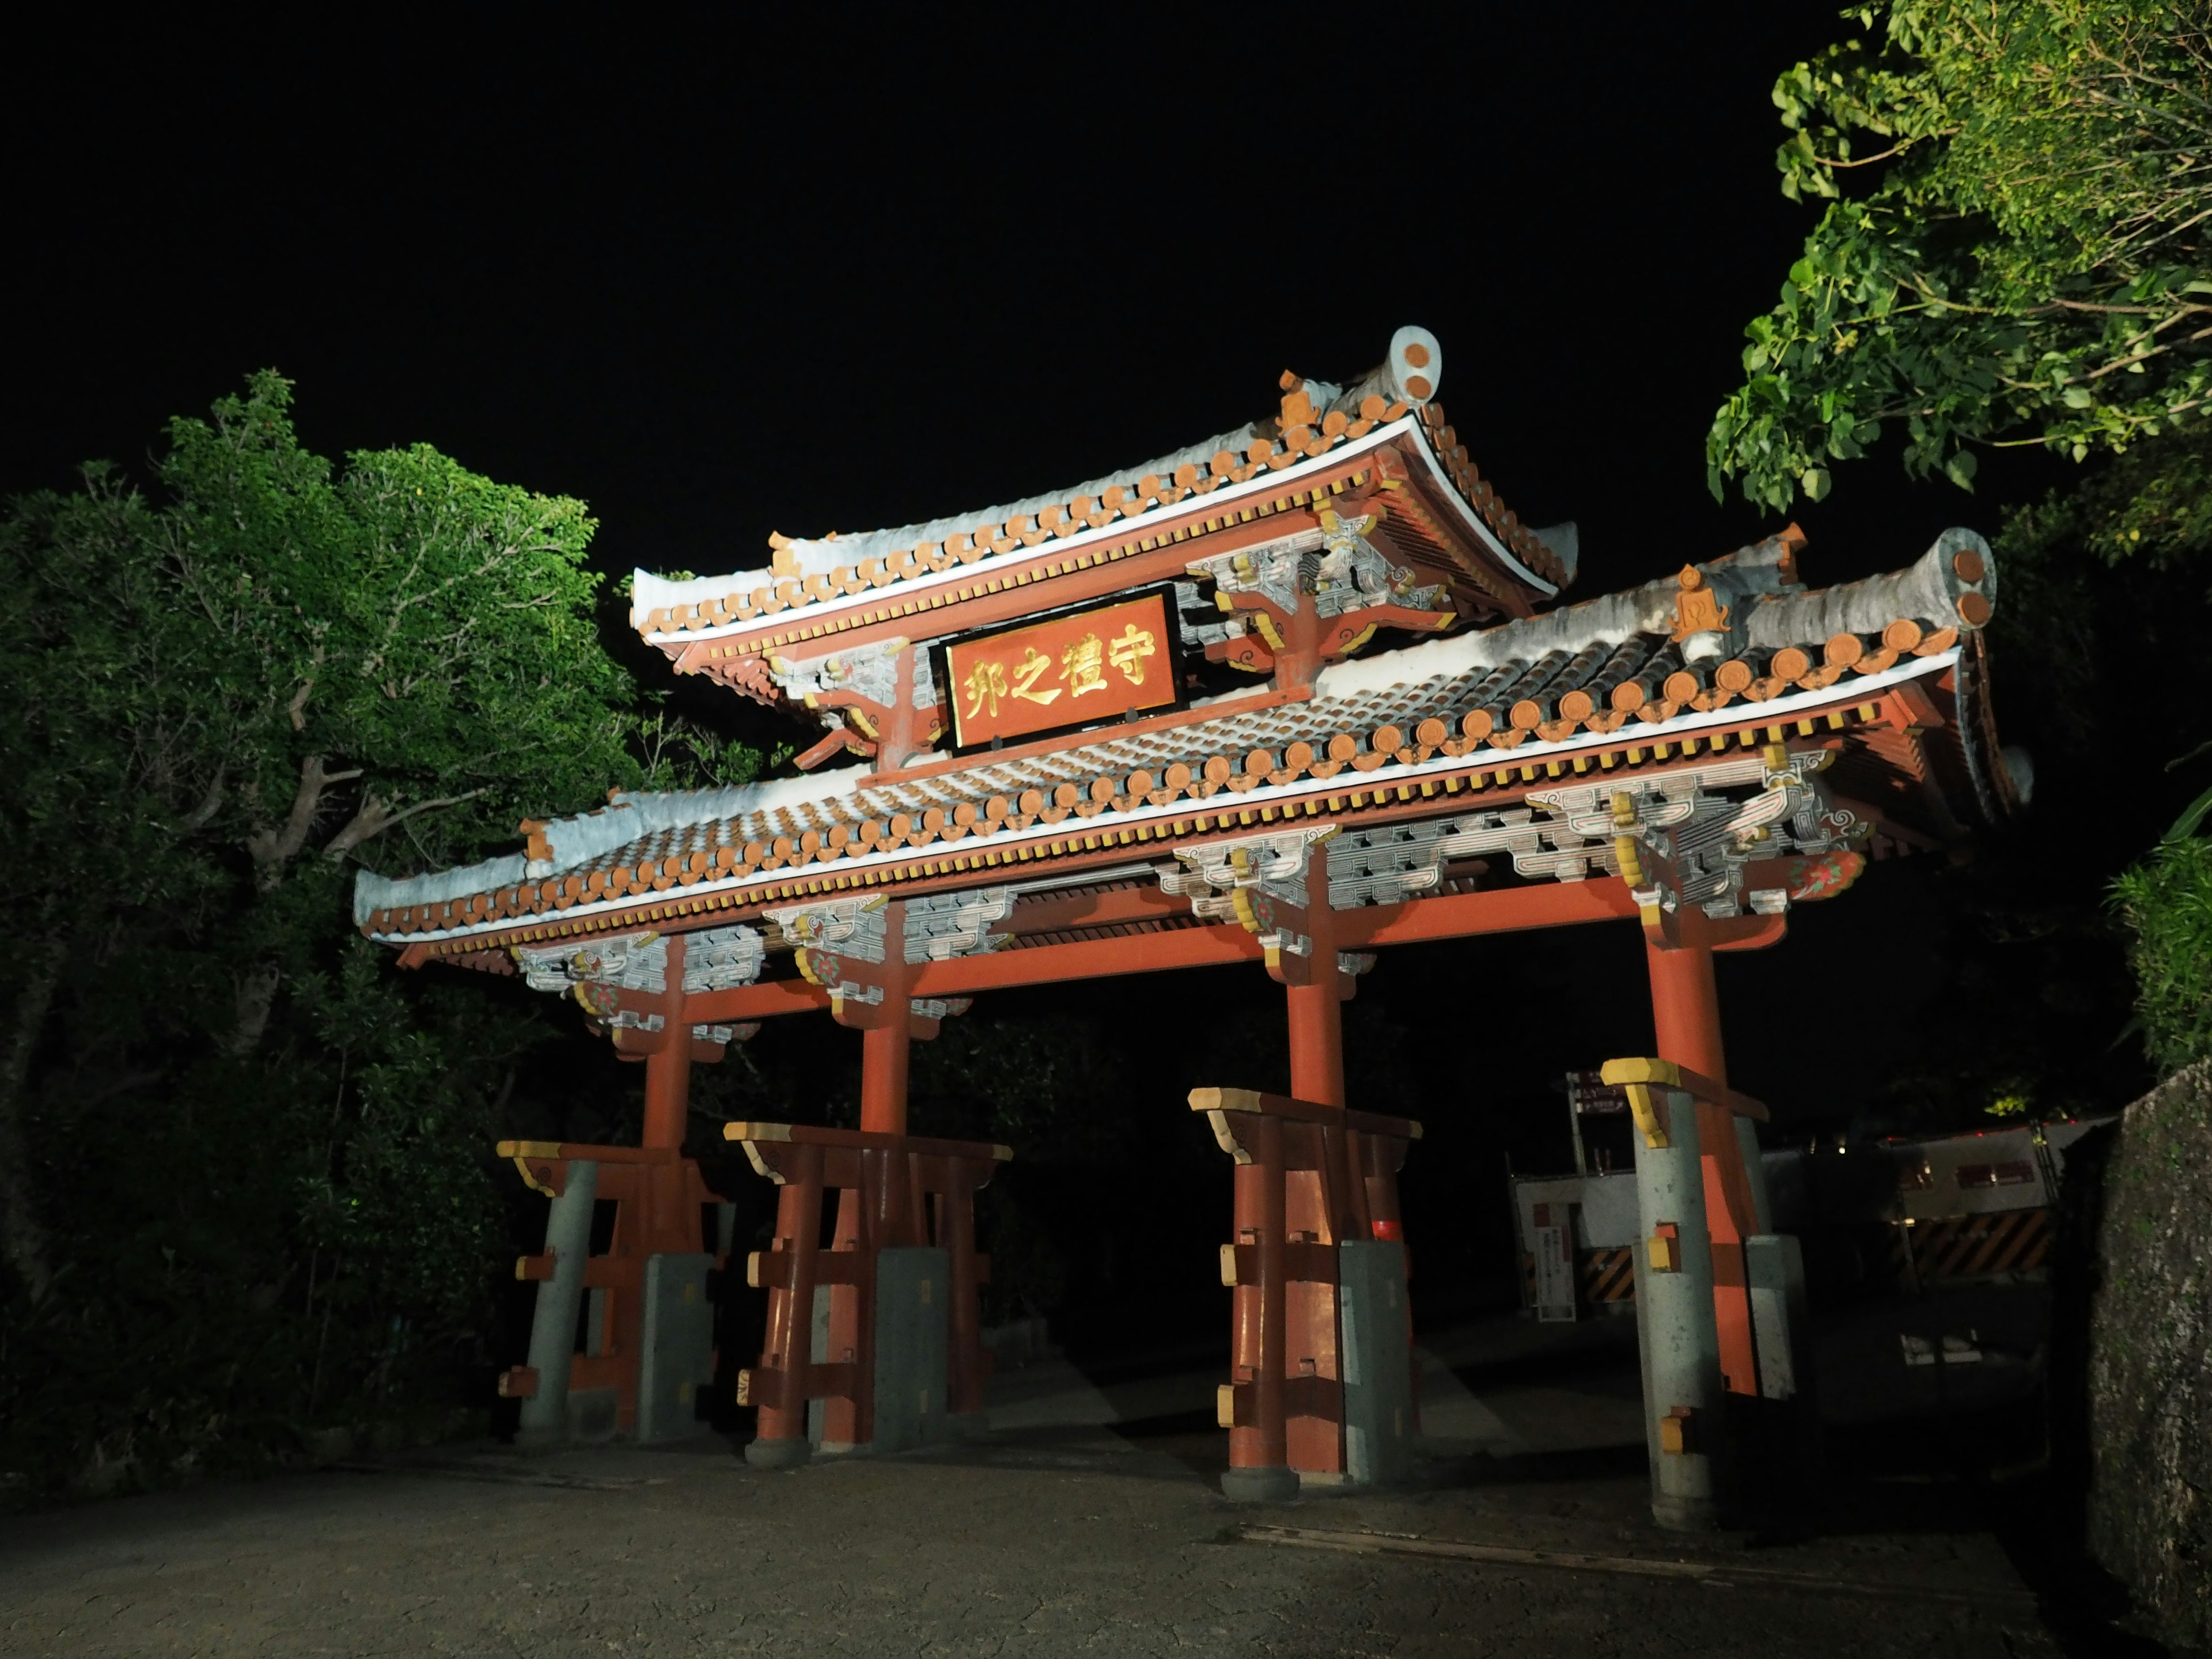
point(719, 284)
point(722, 282)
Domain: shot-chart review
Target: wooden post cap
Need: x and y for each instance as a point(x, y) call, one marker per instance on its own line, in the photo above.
point(1225, 1100)
point(1665, 1074)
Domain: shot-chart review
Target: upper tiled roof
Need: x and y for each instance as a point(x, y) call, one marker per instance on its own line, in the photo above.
point(1637, 668)
point(1316, 420)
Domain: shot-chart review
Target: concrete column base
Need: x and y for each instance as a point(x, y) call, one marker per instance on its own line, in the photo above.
point(1277, 1486)
point(777, 1453)
point(1686, 1514)
point(967, 1426)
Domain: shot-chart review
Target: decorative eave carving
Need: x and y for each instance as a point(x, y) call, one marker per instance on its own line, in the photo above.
point(596, 975)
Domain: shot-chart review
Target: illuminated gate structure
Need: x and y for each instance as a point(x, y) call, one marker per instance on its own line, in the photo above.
point(1287, 698)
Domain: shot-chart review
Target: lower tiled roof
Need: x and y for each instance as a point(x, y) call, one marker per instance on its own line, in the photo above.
point(1611, 669)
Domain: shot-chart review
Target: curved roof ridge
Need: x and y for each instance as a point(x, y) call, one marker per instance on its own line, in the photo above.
point(1315, 418)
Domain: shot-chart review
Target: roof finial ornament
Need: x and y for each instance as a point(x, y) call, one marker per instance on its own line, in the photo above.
point(1698, 608)
point(1416, 365)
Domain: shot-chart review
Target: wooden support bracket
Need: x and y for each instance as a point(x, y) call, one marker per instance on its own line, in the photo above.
point(1665, 1073)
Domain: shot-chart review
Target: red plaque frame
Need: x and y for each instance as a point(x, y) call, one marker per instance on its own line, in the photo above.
point(1087, 667)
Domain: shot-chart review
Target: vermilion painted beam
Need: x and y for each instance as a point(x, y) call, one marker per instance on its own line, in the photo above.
point(1506, 910)
point(1045, 964)
point(1752, 933)
point(1457, 916)
point(1052, 915)
point(763, 1001)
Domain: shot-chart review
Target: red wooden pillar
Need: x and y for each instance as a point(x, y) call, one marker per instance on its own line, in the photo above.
point(884, 1052)
point(1316, 1013)
point(886, 1029)
point(665, 1226)
point(668, 1062)
point(842, 1419)
point(875, 1213)
point(1313, 993)
point(790, 1337)
point(1686, 1017)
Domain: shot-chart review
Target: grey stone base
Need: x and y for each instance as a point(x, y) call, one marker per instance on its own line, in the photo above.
point(967, 1426)
point(1686, 1514)
point(777, 1453)
point(1259, 1485)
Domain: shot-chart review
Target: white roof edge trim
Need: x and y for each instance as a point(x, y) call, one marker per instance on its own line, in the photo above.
point(1473, 519)
point(679, 809)
point(580, 839)
point(372, 892)
point(648, 592)
point(1774, 709)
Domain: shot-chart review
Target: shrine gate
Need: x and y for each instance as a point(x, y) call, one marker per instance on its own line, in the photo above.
point(1285, 698)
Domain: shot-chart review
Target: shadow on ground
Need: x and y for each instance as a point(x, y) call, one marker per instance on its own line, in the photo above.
point(1090, 1522)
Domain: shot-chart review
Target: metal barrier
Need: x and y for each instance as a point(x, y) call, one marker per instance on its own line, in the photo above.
point(1321, 1329)
point(1604, 1278)
point(883, 1325)
point(621, 1342)
point(1934, 1248)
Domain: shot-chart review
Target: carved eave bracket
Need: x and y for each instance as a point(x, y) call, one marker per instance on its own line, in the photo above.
point(879, 701)
point(942, 926)
point(623, 983)
point(1313, 597)
point(1681, 844)
point(840, 945)
point(865, 952)
point(1754, 835)
point(1275, 886)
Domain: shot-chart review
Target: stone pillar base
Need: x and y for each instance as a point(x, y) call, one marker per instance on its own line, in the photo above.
point(1686, 1514)
point(1277, 1486)
point(777, 1453)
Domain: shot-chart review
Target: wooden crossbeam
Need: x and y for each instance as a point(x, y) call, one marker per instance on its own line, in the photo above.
point(1667, 1074)
point(1302, 1111)
point(1459, 915)
point(865, 1140)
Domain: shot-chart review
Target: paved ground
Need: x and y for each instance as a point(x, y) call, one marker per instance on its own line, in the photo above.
point(1089, 1526)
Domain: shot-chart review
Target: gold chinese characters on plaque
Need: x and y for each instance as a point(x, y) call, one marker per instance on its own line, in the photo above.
point(1079, 670)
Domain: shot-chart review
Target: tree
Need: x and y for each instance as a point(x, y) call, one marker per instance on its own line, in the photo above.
point(259, 1154)
point(2014, 251)
point(2166, 899)
point(2017, 252)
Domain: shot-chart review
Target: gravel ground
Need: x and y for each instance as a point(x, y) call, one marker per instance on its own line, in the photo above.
point(1075, 1540)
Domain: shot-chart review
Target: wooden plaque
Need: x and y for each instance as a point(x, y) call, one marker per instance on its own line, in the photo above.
point(1088, 667)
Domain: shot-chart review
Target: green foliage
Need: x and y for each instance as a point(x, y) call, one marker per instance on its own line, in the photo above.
point(2023, 260)
point(2014, 253)
point(244, 1162)
point(429, 626)
point(2167, 900)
